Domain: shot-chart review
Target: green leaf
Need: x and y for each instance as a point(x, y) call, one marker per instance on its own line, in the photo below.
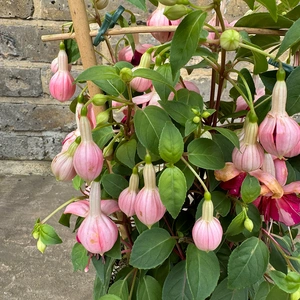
point(77, 182)
point(289, 283)
point(172, 190)
point(222, 292)
point(291, 38)
point(115, 251)
point(271, 7)
point(141, 4)
point(79, 257)
point(154, 76)
point(222, 203)
point(113, 87)
point(176, 286)
point(98, 73)
point(185, 40)
point(114, 184)
point(263, 20)
point(191, 98)
point(142, 227)
point(126, 152)
point(149, 124)
point(206, 154)
point(237, 224)
point(149, 289)
point(203, 272)
point(247, 263)
point(65, 219)
point(229, 134)
point(102, 136)
point(120, 289)
point(260, 63)
point(263, 291)
point(250, 3)
point(250, 189)
point(110, 297)
point(48, 235)
point(293, 92)
point(72, 50)
point(277, 293)
point(151, 248)
point(170, 143)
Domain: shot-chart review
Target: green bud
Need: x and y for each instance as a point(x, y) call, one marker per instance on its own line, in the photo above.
point(126, 74)
point(102, 117)
point(100, 4)
point(99, 99)
point(280, 75)
point(41, 246)
point(230, 40)
point(168, 2)
point(176, 12)
point(207, 196)
point(206, 114)
point(248, 224)
point(196, 120)
point(195, 111)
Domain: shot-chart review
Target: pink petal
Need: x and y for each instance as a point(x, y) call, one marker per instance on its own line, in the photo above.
point(80, 208)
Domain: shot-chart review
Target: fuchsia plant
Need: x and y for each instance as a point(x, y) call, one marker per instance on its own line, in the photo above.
point(187, 190)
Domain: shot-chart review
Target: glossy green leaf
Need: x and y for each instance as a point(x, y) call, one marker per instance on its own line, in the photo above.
point(289, 283)
point(98, 73)
point(161, 272)
point(271, 7)
point(191, 98)
point(237, 224)
point(114, 184)
point(229, 134)
point(119, 288)
point(141, 4)
point(263, 291)
point(142, 227)
point(115, 251)
point(205, 153)
point(110, 297)
point(77, 182)
point(79, 257)
point(250, 189)
point(185, 40)
point(277, 293)
point(126, 152)
point(72, 50)
point(222, 292)
point(113, 87)
point(170, 143)
point(222, 203)
point(199, 263)
point(176, 286)
point(172, 190)
point(291, 38)
point(263, 20)
point(151, 248)
point(293, 92)
point(149, 289)
point(102, 136)
point(149, 124)
point(247, 263)
point(48, 235)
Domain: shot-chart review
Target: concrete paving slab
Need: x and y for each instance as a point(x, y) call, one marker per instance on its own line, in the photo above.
point(25, 273)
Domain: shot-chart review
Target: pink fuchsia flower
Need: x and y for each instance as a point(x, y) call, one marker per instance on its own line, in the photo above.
point(207, 231)
point(157, 18)
point(88, 157)
point(97, 233)
point(278, 132)
point(186, 85)
point(250, 156)
point(148, 206)
point(54, 66)
point(61, 84)
point(127, 198)
point(69, 139)
point(147, 99)
point(62, 164)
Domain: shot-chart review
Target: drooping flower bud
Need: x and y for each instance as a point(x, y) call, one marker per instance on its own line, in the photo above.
point(250, 156)
point(278, 132)
point(230, 40)
point(99, 99)
point(62, 164)
point(248, 224)
point(54, 65)
point(148, 206)
point(61, 84)
point(207, 231)
point(157, 18)
point(176, 12)
point(100, 4)
point(88, 157)
point(127, 198)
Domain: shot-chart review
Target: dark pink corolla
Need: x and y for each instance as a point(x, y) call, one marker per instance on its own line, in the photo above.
point(279, 134)
point(148, 206)
point(207, 231)
point(88, 157)
point(61, 85)
point(157, 18)
point(127, 197)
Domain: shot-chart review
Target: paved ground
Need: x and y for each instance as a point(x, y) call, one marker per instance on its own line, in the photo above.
point(28, 191)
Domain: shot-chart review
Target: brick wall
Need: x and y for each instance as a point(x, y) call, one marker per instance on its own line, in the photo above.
point(32, 124)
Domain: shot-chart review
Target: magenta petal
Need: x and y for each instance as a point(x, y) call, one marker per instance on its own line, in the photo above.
point(80, 208)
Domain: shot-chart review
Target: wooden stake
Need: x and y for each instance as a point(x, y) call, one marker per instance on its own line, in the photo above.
point(84, 41)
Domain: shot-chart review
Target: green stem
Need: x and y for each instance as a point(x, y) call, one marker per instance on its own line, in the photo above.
point(132, 285)
point(258, 51)
point(60, 207)
point(195, 173)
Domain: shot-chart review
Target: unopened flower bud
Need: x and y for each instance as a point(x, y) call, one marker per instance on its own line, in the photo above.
point(99, 99)
point(102, 117)
point(230, 40)
point(41, 246)
point(206, 114)
point(126, 74)
point(248, 224)
point(168, 2)
point(100, 4)
point(196, 120)
point(176, 12)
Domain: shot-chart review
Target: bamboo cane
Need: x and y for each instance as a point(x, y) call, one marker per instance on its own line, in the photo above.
point(149, 29)
point(84, 41)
